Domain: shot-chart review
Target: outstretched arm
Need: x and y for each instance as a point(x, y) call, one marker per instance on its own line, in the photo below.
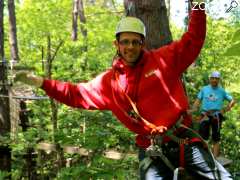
point(190, 45)
point(178, 55)
point(91, 95)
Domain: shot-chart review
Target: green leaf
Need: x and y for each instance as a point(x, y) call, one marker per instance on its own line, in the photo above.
point(236, 36)
point(234, 50)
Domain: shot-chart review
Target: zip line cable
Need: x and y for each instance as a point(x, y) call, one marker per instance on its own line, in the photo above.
point(25, 97)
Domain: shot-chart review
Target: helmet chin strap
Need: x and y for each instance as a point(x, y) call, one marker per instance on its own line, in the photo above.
point(118, 52)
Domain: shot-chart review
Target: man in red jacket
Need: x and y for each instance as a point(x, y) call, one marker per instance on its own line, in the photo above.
point(144, 90)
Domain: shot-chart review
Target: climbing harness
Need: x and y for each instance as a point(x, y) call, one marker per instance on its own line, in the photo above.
point(157, 140)
point(212, 116)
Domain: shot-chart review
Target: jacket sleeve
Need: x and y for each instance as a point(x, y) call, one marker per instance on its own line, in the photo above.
point(180, 54)
point(94, 94)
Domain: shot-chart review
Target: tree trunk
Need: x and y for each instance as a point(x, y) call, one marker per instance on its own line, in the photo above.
point(1, 30)
point(5, 151)
point(154, 15)
point(49, 76)
point(2, 54)
point(74, 20)
point(29, 156)
point(82, 19)
point(78, 10)
point(83, 31)
point(54, 105)
point(5, 126)
point(188, 9)
point(168, 9)
point(13, 30)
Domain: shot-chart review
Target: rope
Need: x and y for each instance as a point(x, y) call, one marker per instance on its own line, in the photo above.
point(136, 112)
point(25, 97)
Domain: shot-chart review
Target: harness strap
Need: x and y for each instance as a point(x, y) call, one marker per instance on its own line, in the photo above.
point(145, 163)
point(181, 158)
point(137, 114)
point(197, 138)
point(155, 149)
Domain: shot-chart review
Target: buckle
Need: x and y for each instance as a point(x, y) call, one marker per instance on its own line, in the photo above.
point(153, 150)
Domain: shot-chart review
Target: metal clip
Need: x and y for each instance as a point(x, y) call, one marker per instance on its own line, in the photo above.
point(154, 150)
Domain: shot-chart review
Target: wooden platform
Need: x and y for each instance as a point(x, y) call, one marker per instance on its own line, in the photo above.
point(110, 154)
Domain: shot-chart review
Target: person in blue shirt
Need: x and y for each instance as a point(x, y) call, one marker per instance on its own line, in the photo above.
point(211, 98)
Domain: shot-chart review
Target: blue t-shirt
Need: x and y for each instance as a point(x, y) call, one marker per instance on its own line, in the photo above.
point(213, 98)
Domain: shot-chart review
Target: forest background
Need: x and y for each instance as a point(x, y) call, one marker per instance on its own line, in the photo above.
point(48, 46)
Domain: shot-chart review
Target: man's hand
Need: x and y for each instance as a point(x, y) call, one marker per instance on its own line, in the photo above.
point(195, 107)
point(222, 111)
point(154, 130)
point(158, 130)
point(29, 79)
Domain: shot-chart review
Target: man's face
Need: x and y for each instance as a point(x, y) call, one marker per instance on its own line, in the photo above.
point(214, 81)
point(129, 46)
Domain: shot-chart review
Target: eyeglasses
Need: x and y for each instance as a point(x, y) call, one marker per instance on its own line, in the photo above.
point(135, 42)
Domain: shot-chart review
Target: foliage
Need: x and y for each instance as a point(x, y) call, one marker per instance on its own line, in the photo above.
point(101, 168)
point(3, 175)
point(211, 58)
point(53, 18)
point(234, 49)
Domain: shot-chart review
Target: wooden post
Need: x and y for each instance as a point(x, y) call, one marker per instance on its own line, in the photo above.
point(30, 161)
point(5, 151)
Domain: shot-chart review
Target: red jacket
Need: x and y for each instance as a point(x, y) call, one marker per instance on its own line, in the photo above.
point(154, 84)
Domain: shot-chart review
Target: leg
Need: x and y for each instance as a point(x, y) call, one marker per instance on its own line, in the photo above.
point(204, 129)
point(216, 149)
point(141, 156)
point(216, 127)
point(201, 164)
point(156, 171)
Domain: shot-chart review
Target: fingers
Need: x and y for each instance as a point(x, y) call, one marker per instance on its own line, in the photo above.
point(29, 79)
point(161, 129)
point(158, 130)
